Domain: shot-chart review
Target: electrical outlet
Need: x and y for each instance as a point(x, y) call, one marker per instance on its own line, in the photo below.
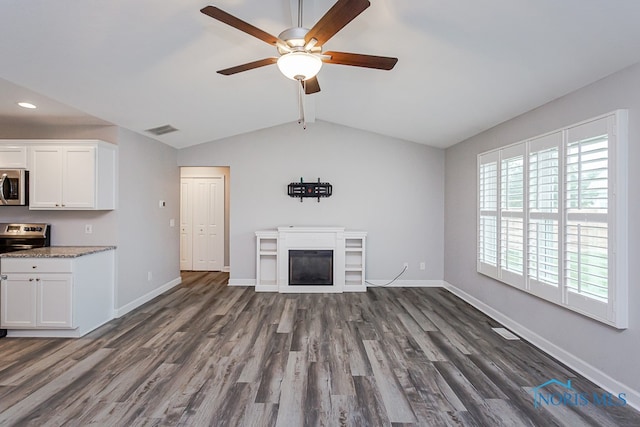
point(172, 222)
point(423, 265)
point(405, 265)
point(149, 276)
point(88, 228)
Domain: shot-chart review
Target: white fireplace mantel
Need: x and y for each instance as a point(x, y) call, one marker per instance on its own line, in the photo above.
point(272, 258)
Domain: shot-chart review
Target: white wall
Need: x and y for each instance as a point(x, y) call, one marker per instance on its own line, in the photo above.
point(391, 188)
point(604, 351)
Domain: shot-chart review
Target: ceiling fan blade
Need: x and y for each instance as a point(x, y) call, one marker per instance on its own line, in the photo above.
point(248, 66)
point(360, 60)
point(239, 24)
point(340, 14)
point(311, 86)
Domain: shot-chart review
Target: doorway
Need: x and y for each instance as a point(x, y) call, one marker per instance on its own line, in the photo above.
point(204, 218)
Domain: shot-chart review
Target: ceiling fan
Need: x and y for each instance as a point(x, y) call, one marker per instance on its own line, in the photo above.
point(300, 49)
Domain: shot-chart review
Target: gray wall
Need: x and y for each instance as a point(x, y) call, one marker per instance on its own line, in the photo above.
point(146, 243)
point(608, 350)
point(392, 189)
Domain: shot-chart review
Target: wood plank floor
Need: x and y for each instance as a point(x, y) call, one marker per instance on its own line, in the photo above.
point(205, 354)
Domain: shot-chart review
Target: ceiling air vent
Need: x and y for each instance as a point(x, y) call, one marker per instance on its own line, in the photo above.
point(161, 130)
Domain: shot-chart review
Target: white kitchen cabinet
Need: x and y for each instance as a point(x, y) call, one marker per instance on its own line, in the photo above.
point(57, 297)
point(18, 297)
point(72, 175)
point(37, 301)
point(54, 301)
point(13, 155)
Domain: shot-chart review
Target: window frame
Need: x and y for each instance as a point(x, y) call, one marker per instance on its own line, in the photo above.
point(613, 311)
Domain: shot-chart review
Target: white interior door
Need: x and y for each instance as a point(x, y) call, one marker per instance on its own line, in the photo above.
point(206, 226)
point(186, 228)
point(215, 223)
point(200, 220)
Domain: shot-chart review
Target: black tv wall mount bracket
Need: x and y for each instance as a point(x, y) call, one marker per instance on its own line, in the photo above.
point(309, 189)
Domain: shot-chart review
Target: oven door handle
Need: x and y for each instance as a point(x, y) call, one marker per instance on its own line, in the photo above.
point(2, 179)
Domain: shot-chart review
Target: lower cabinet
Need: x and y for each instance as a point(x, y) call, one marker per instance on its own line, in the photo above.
point(57, 297)
point(32, 301)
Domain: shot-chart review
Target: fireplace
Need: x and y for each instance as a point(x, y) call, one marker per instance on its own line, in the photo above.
point(310, 267)
point(301, 259)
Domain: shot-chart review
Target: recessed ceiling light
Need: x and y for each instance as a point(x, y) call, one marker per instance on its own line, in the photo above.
point(26, 105)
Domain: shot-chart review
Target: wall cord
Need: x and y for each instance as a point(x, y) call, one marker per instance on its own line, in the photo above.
point(388, 283)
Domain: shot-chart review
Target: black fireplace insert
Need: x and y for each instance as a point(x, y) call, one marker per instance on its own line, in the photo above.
point(310, 267)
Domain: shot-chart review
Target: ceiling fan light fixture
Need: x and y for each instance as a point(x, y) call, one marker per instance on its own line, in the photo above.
point(299, 65)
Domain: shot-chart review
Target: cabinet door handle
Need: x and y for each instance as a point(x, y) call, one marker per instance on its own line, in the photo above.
point(3, 277)
point(31, 279)
point(38, 279)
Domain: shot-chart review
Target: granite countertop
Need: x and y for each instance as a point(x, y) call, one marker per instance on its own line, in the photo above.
point(57, 252)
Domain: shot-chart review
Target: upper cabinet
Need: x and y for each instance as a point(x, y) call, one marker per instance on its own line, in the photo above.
point(65, 174)
point(13, 155)
point(72, 175)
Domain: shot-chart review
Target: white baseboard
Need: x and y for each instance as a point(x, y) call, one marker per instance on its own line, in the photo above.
point(226, 269)
point(405, 283)
point(43, 333)
point(119, 312)
point(583, 368)
point(372, 283)
point(242, 282)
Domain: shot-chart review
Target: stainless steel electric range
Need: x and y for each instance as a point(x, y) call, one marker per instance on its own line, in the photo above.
point(18, 237)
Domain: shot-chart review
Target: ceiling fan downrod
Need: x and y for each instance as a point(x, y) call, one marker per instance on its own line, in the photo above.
point(301, 91)
point(299, 13)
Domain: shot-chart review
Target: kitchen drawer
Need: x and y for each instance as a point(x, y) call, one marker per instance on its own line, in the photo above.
point(36, 265)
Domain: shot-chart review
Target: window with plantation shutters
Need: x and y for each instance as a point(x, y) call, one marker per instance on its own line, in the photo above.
point(552, 217)
point(587, 194)
point(543, 233)
point(488, 213)
point(512, 214)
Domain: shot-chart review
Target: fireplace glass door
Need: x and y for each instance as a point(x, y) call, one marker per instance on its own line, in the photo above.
point(310, 267)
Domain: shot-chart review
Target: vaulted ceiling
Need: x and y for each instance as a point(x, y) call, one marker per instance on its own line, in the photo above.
point(464, 65)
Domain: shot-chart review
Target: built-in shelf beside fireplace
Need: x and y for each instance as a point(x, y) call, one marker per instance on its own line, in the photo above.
point(347, 249)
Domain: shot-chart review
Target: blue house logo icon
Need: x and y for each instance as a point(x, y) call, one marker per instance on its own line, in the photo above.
point(539, 397)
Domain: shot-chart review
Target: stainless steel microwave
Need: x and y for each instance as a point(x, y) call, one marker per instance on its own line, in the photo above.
point(14, 187)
